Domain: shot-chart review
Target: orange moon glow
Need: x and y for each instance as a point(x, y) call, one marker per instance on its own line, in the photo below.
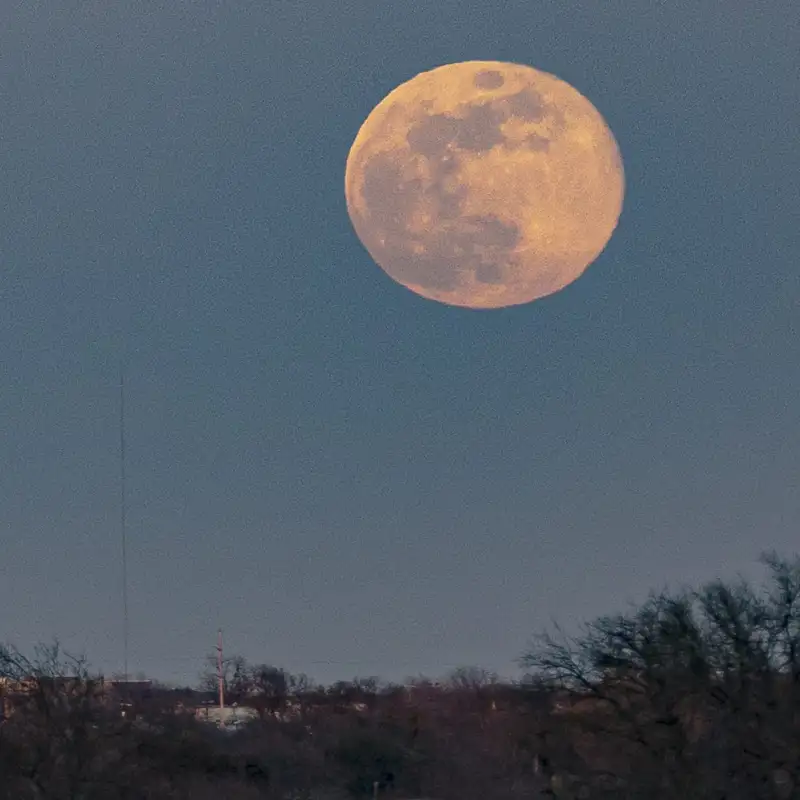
point(484, 184)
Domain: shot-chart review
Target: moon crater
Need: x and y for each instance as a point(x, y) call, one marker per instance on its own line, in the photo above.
point(484, 184)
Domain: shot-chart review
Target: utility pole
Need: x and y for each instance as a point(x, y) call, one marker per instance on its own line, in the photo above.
point(219, 672)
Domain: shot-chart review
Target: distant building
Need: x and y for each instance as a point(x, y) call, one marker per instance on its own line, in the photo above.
point(109, 692)
point(230, 717)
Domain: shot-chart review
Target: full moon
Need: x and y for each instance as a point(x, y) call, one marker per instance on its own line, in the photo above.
point(484, 184)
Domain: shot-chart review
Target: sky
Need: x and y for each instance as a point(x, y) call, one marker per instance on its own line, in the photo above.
point(349, 479)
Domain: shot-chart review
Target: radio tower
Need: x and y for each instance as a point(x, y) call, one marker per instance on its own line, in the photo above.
point(123, 521)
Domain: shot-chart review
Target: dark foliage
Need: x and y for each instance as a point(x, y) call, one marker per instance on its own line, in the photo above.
point(693, 694)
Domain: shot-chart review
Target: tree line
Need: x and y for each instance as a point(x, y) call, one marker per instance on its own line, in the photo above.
point(694, 693)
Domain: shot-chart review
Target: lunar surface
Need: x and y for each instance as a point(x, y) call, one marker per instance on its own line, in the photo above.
point(484, 184)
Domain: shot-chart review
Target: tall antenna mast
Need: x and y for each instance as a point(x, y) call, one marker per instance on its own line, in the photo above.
point(123, 520)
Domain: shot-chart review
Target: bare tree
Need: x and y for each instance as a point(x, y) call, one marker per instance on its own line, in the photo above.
point(235, 677)
point(471, 678)
point(59, 724)
point(267, 689)
point(687, 694)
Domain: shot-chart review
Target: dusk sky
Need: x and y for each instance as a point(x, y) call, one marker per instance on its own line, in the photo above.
point(345, 477)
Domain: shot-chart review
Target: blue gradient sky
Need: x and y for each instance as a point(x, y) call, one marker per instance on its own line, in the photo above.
point(348, 479)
